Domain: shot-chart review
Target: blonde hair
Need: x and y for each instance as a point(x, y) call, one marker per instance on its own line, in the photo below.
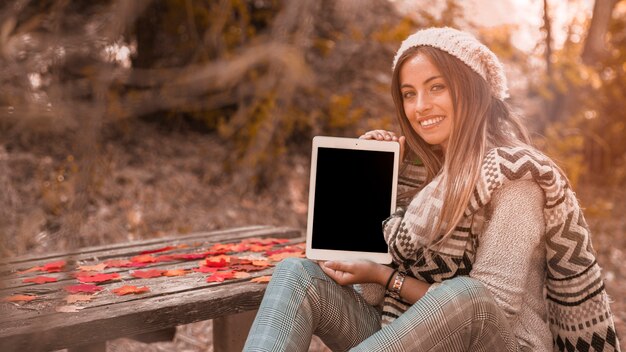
point(481, 122)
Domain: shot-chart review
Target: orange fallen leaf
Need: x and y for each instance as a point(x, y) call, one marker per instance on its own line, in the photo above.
point(280, 256)
point(86, 288)
point(205, 269)
point(158, 250)
point(33, 269)
point(221, 276)
point(242, 275)
point(84, 278)
point(261, 279)
point(20, 298)
point(261, 263)
point(125, 290)
point(147, 274)
point(118, 263)
point(40, 279)
point(54, 267)
point(78, 298)
point(175, 272)
point(144, 258)
point(96, 267)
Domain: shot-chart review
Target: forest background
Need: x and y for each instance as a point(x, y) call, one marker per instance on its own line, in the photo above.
point(122, 120)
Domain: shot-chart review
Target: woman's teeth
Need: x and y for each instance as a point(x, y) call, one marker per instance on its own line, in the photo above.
point(432, 121)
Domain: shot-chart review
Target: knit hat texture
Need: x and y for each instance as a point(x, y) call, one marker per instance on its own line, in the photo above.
point(464, 47)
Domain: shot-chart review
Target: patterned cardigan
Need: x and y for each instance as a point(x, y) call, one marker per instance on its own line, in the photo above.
point(578, 306)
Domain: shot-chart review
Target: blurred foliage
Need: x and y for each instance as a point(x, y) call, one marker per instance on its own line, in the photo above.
point(585, 104)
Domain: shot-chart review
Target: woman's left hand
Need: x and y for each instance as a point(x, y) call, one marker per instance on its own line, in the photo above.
point(356, 272)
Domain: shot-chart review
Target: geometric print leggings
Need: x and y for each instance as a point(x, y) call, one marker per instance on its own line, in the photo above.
point(301, 300)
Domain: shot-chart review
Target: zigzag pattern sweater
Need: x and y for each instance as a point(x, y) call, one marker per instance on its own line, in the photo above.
point(578, 306)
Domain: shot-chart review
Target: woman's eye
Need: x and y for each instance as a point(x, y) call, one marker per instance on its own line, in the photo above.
point(407, 95)
point(437, 87)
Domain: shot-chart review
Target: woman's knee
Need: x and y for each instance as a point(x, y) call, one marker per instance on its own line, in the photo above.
point(471, 295)
point(301, 267)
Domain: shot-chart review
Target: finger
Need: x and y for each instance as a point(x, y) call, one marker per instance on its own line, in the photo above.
point(402, 141)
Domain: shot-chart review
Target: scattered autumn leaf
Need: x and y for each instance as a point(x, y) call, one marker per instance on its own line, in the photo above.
point(261, 279)
point(20, 298)
point(147, 274)
point(205, 269)
point(190, 256)
point(241, 275)
point(158, 250)
point(265, 241)
point(260, 248)
point(286, 249)
point(118, 263)
point(54, 267)
point(40, 279)
point(261, 263)
point(33, 269)
point(85, 288)
point(280, 256)
point(68, 309)
point(96, 267)
point(84, 278)
point(247, 267)
point(126, 289)
point(175, 272)
point(144, 258)
point(78, 298)
point(220, 276)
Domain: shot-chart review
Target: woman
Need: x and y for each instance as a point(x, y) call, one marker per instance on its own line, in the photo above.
point(487, 226)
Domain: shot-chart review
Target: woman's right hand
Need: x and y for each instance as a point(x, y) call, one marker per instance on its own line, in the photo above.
point(383, 135)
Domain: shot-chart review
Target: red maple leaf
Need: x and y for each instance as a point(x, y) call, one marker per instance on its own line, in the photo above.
point(205, 269)
point(247, 267)
point(175, 272)
point(190, 256)
point(40, 279)
point(158, 250)
point(83, 277)
point(221, 276)
point(118, 263)
point(125, 290)
point(286, 249)
point(86, 288)
point(147, 274)
point(143, 258)
point(54, 267)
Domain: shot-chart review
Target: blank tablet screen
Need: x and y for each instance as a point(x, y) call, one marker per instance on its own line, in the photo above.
point(352, 198)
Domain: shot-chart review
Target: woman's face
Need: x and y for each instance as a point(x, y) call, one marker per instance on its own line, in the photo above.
point(426, 99)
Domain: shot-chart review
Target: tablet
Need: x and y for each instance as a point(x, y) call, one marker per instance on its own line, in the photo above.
point(352, 190)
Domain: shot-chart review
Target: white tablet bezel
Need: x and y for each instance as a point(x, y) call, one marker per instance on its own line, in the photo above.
point(355, 144)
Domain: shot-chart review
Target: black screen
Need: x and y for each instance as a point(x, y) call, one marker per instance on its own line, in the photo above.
point(352, 199)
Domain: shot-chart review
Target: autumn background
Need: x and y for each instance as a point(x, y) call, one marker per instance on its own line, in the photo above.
point(122, 120)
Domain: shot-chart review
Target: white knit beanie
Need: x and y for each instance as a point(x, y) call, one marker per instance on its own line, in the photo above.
point(464, 47)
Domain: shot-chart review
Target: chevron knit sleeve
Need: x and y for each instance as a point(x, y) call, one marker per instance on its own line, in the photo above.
point(510, 260)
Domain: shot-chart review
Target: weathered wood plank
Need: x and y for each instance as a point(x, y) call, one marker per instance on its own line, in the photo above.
point(130, 318)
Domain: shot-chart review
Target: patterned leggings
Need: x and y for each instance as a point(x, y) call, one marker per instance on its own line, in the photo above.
point(300, 300)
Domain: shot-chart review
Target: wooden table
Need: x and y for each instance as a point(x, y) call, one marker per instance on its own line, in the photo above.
point(38, 326)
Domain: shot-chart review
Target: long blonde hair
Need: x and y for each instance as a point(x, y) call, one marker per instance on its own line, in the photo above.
point(480, 123)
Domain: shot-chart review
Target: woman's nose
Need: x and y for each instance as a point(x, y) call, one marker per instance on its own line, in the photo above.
point(423, 104)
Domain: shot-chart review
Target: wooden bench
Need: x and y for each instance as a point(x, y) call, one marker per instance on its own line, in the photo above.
point(39, 326)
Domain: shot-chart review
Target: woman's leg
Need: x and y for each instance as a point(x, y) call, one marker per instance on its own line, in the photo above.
point(301, 300)
point(459, 315)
